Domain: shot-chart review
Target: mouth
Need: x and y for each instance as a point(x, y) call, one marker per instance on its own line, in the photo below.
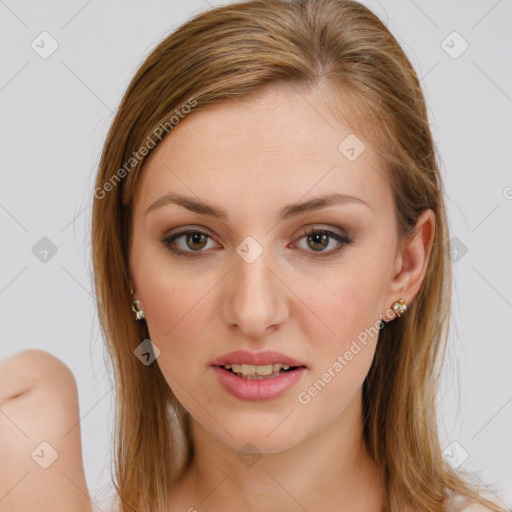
point(262, 372)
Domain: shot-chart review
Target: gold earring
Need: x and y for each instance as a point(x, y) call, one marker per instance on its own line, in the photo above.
point(139, 314)
point(399, 307)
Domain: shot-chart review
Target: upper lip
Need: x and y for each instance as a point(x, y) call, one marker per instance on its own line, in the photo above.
point(256, 358)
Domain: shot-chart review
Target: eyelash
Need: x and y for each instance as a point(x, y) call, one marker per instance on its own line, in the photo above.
point(342, 239)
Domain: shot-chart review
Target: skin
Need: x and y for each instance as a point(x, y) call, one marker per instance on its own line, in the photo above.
point(39, 403)
point(298, 297)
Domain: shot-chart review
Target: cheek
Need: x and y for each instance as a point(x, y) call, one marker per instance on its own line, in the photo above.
point(171, 295)
point(343, 332)
point(342, 309)
point(342, 360)
point(176, 316)
point(179, 313)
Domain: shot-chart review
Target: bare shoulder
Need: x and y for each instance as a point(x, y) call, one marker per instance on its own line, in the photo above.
point(20, 372)
point(40, 439)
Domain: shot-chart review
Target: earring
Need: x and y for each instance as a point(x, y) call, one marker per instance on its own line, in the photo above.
point(139, 314)
point(399, 307)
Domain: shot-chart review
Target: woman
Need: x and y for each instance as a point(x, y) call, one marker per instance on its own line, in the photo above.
point(269, 249)
point(226, 238)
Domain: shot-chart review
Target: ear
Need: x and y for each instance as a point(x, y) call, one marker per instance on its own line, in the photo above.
point(412, 260)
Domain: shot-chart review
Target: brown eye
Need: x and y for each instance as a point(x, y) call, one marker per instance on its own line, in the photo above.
point(196, 240)
point(318, 239)
point(193, 243)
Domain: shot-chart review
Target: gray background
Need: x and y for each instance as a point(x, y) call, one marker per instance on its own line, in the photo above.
point(55, 113)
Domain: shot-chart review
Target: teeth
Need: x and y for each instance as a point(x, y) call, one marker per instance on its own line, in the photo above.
point(250, 369)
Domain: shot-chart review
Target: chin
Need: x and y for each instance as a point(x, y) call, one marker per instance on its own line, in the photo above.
point(257, 433)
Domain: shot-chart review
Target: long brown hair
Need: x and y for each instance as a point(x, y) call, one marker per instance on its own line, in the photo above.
point(225, 54)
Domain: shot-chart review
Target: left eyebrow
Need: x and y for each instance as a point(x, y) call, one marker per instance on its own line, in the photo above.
point(287, 212)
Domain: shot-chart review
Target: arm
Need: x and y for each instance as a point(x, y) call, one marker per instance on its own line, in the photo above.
point(41, 464)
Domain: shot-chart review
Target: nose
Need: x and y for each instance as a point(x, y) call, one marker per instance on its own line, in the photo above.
point(255, 298)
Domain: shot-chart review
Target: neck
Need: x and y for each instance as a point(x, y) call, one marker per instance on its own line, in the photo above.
point(329, 471)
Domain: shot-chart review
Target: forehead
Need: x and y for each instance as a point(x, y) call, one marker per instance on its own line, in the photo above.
point(277, 146)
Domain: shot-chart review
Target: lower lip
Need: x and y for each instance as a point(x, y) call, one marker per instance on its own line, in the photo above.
point(257, 390)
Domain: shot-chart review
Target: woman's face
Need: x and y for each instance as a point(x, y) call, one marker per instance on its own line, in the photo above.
point(252, 280)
